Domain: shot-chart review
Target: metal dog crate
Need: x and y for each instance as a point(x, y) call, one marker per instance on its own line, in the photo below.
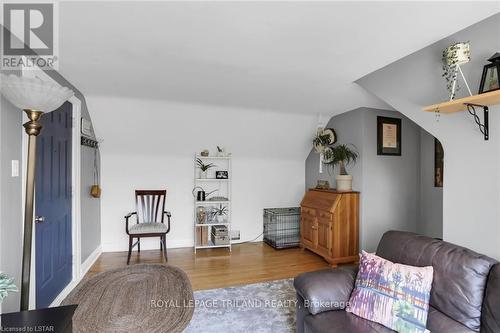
point(282, 227)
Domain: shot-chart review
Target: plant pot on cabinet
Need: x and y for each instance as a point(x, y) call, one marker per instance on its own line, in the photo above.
point(203, 174)
point(344, 182)
point(220, 218)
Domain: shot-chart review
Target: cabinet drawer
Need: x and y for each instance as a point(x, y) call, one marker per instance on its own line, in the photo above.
point(324, 215)
point(308, 211)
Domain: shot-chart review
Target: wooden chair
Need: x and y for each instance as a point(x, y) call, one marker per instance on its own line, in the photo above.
point(150, 213)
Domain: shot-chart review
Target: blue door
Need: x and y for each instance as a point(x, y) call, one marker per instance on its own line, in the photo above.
point(53, 206)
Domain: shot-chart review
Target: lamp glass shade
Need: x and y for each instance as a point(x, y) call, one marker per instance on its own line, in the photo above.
point(33, 93)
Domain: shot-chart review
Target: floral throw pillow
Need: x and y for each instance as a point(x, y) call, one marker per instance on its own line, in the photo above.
point(394, 295)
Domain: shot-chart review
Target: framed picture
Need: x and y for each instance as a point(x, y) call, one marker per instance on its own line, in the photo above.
point(221, 175)
point(388, 136)
point(438, 163)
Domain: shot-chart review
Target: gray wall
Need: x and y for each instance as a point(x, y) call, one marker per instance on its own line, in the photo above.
point(10, 199)
point(472, 177)
point(389, 185)
point(91, 207)
point(430, 221)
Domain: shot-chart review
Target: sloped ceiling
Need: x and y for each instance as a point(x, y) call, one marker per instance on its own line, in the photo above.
point(284, 56)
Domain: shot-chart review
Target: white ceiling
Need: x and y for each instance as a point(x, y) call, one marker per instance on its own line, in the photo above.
point(285, 56)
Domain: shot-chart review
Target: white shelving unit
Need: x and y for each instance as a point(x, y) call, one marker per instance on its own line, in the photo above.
point(223, 187)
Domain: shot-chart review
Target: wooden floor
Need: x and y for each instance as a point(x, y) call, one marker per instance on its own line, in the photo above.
point(217, 268)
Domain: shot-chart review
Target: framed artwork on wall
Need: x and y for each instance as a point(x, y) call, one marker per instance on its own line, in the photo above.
point(438, 163)
point(388, 136)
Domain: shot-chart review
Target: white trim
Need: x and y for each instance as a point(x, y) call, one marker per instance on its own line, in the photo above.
point(75, 197)
point(85, 266)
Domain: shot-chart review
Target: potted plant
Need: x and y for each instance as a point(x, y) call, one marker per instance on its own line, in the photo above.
point(454, 56)
point(219, 213)
point(324, 137)
point(204, 167)
point(6, 285)
point(341, 155)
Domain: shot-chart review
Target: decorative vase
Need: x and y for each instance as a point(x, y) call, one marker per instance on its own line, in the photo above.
point(220, 218)
point(344, 182)
point(203, 174)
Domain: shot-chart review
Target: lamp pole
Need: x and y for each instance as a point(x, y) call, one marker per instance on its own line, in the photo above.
point(32, 128)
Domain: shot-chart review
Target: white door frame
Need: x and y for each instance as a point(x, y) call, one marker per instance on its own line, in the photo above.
point(75, 196)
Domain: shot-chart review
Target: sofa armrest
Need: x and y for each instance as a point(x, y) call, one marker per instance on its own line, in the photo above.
point(327, 289)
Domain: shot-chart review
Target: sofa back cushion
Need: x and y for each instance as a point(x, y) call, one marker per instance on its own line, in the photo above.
point(491, 306)
point(460, 275)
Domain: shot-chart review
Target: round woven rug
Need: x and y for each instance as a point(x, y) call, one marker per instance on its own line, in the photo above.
point(138, 298)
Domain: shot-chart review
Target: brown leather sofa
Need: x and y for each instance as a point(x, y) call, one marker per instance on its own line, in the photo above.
point(465, 294)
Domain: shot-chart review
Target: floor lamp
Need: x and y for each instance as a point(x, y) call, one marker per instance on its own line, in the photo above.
point(34, 97)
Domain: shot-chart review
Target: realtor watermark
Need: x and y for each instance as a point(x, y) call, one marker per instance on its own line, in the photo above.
point(30, 35)
point(223, 303)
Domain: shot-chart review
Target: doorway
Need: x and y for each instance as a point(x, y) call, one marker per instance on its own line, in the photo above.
point(53, 211)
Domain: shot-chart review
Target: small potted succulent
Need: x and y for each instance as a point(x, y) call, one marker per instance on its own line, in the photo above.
point(6, 285)
point(220, 213)
point(204, 167)
point(341, 155)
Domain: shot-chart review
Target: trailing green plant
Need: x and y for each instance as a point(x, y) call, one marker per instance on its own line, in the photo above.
point(221, 210)
point(6, 285)
point(202, 166)
point(451, 58)
point(321, 140)
point(341, 155)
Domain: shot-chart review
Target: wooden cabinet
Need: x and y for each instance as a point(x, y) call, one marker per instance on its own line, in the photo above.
point(329, 225)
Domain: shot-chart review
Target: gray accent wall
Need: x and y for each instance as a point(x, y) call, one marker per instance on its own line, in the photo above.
point(430, 221)
point(389, 185)
point(471, 177)
point(11, 223)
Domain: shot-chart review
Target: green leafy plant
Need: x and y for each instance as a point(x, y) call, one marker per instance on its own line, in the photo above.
point(453, 55)
point(321, 140)
point(202, 166)
point(221, 210)
point(6, 285)
point(341, 155)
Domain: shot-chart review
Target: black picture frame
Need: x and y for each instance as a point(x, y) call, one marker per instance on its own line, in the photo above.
point(438, 163)
point(395, 148)
point(221, 175)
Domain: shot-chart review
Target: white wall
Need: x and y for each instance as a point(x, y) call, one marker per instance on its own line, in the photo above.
point(471, 190)
point(151, 144)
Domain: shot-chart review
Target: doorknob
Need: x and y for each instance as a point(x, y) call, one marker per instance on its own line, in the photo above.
point(39, 219)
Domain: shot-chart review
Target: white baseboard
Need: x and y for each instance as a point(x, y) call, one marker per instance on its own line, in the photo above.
point(84, 268)
point(147, 244)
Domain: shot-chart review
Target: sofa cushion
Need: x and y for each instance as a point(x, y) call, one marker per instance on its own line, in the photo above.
point(491, 306)
point(441, 323)
point(147, 228)
point(327, 289)
point(394, 295)
point(459, 274)
point(341, 321)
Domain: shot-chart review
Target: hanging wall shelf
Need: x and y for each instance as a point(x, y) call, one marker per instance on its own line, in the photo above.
point(470, 104)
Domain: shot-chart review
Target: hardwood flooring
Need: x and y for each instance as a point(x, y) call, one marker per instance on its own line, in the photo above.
point(217, 268)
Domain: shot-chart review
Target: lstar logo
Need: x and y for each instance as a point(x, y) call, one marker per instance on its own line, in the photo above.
point(29, 36)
